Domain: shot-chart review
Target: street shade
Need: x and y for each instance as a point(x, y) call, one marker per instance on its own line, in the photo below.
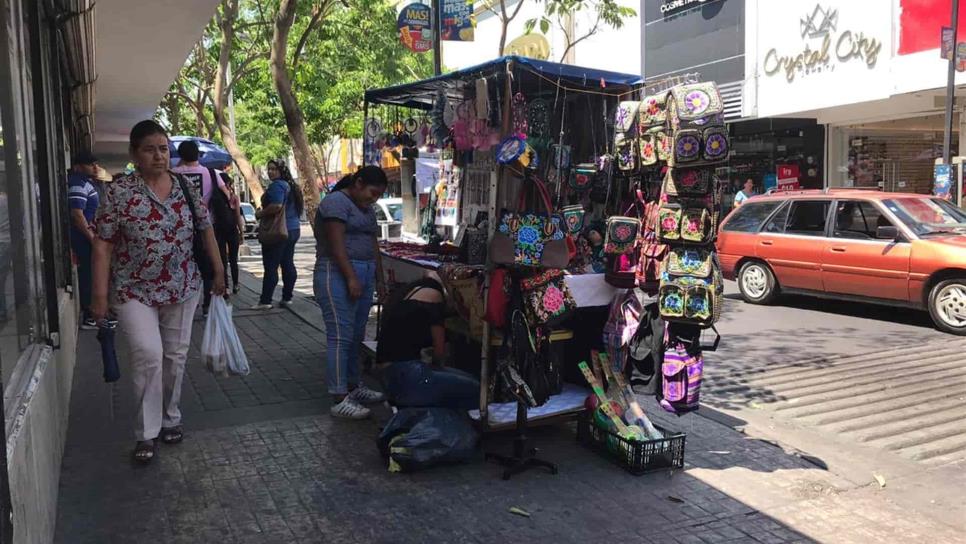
point(212, 154)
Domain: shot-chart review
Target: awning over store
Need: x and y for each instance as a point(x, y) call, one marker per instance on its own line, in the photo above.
point(421, 94)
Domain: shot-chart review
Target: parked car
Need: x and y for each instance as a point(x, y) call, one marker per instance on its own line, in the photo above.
point(248, 214)
point(867, 246)
point(389, 214)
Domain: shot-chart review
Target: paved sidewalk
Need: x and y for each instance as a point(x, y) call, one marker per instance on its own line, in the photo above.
point(263, 462)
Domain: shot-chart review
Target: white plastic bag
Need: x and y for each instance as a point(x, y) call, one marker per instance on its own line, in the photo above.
point(221, 346)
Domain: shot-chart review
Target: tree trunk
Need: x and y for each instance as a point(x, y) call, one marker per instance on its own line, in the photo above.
point(294, 119)
point(221, 91)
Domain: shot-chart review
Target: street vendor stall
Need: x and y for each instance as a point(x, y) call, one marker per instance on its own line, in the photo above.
point(551, 183)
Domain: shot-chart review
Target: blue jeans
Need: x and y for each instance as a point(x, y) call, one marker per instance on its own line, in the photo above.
point(283, 255)
point(82, 250)
point(414, 384)
point(345, 320)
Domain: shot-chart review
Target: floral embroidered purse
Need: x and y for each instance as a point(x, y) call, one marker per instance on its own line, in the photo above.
point(546, 299)
point(715, 148)
point(669, 223)
point(696, 101)
point(621, 234)
point(582, 177)
point(653, 111)
point(573, 217)
point(688, 181)
point(689, 261)
point(697, 226)
point(686, 147)
point(531, 239)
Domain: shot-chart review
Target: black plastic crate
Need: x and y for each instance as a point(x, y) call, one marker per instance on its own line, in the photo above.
point(637, 457)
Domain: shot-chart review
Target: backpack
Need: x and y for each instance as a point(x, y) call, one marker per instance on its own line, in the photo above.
point(223, 217)
point(621, 326)
point(682, 371)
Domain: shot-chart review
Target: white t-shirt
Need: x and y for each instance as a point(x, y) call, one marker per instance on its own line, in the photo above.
point(201, 177)
point(743, 196)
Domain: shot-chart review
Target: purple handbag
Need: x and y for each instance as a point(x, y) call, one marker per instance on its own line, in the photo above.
point(682, 370)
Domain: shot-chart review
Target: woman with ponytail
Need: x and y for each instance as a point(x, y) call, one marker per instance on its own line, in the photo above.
point(347, 270)
point(282, 194)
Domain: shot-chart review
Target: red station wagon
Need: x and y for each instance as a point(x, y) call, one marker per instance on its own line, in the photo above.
point(887, 248)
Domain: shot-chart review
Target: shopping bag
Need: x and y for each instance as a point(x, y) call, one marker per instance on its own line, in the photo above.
point(221, 346)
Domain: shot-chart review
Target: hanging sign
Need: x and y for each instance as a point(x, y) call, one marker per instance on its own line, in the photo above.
point(414, 27)
point(942, 181)
point(787, 177)
point(533, 46)
point(947, 41)
point(457, 21)
point(961, 57)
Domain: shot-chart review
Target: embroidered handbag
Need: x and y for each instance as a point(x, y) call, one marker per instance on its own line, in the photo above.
point(676, 122)
point(546, 298)
point(697, 226)
point(627, 149)
point(621, 234)
point(582, 177)
point(692, 299)
point(653, 111)
point(715, 148)
point(531, 239)
point(649, 147)
point(669, 223)
point(573, 217)
point(625, 118)
point(689, 261)
point(687, 146)
point(696, 101)
point(688, 181)
point(682, 371)
point(652, 253)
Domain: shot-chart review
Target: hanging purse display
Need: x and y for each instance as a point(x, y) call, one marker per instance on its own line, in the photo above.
point(621, 234)
point(689, 261)
point(715, 147)
point(622, 270)
point(687, 146)
point(649, 149)
point(693, 299)
point(662, 143)
point(653, 111)
point(531, 239)
point(652, 253)
point(517, 153)
point(626, 149)
point(626, 118)
point(669, 223)
point(697, 226)
point(691, 182)
point(582, 177)
point(546, 298)
point(682, 371)
point(696, 101)
point(573, 217)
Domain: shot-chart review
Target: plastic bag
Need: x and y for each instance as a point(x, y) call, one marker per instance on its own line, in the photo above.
point(221, 347)
point(419, 438)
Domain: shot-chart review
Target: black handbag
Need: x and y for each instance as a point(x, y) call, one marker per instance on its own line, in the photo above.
point(531, 367)
point(197, 241)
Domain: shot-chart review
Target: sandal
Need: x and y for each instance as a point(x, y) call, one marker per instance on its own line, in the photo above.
point(172, 435)
point(144, 451)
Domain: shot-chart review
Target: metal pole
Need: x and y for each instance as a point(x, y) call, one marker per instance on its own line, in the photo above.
point(951, 86)
point(437, 43)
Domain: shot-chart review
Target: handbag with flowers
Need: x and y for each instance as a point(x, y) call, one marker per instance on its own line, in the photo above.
point(546, 299)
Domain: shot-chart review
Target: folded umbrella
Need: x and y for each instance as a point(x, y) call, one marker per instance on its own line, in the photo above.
point(105, 335)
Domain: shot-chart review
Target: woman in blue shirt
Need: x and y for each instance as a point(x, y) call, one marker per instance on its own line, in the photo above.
point(283, 193)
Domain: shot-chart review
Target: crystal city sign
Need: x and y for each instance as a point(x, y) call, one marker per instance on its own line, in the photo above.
point(819, 31)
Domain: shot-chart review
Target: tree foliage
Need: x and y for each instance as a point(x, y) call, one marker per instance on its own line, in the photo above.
point(560, 13)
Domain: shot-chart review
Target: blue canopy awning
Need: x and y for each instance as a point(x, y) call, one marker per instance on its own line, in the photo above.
point(421, 94)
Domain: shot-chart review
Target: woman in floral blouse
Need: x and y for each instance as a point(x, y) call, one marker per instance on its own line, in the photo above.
point(143, 250)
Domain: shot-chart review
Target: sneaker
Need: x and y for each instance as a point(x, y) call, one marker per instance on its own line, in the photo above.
point(262, 307)
point(88, 324)
point(349, 409)
point(285, 303)
point(364, 395)
point(235, 289)
point(111, 322)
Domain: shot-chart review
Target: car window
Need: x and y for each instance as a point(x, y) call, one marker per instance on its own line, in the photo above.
point(858, 220)
point(749, 216)
point(396, 211)
point(807, 217)
point(777, 223)
point(927, 216)
point(381, 214)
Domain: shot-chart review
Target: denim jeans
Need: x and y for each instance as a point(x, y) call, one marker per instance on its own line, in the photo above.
point(82, 250)
point(345, 320)
point(276, 255)
point(414, 384)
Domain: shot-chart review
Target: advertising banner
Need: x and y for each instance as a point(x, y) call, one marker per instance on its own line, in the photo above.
point(787, 177)
point(947, 43)
point(457, 22)
point(415, 30)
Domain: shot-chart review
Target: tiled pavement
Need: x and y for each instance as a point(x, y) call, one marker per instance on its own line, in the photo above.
point(262, 462)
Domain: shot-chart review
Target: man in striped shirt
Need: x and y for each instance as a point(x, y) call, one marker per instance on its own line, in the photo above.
point(83, 200)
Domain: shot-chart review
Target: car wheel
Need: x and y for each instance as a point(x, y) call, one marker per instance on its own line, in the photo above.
point(757, 283)
point(947, 305)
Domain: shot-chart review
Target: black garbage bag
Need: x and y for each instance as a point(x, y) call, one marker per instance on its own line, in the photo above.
point(419, 438)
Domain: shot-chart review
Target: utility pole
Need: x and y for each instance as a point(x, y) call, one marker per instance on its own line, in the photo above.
point(951, 87)
point(437, 43)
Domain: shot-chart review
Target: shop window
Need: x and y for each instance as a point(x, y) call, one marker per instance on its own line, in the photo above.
point(858, 220)
point(750, 216)
point(807, 218)
point(22, 307)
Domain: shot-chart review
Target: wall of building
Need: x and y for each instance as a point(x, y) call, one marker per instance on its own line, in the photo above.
point(37, 431)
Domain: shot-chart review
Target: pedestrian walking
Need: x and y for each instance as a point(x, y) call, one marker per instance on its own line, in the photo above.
point(229, 227)
point(745, 193)
point(209, 183)
point(146, 228)
point(282, 194)
point(347, 270)
point(83, 199)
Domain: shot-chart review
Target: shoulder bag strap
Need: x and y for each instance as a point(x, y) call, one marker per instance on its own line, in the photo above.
point(189, 199)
